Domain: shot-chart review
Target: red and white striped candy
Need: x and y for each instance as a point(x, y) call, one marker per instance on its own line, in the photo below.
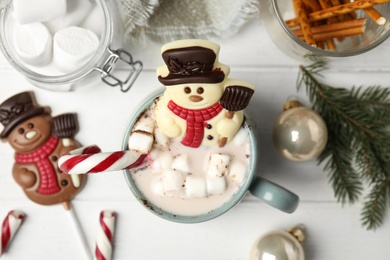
point(91, 160)
point(103, 250)
point(9, 228)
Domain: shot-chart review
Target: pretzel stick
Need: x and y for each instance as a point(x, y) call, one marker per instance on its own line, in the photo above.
point(333, 27)
point(313, 4)
point(334, 11)
point(351, 15)
point(375, 15)
point(304, 22)
point(330, 45)
point(338, 33)
point(341, 17)
point(344, 9)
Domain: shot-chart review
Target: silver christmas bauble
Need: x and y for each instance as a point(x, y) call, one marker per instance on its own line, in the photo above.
point(278, 245)
point(299, 134)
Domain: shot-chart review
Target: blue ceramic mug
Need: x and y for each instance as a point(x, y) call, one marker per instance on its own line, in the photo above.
point(269, 192)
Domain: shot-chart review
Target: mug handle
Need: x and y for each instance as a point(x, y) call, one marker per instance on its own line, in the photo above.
point(274, 195)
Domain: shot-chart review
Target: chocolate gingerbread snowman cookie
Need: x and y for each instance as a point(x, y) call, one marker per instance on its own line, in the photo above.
point(39, 140)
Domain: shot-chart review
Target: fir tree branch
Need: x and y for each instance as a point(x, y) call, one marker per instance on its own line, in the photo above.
point(358, 148)
point(375, 206)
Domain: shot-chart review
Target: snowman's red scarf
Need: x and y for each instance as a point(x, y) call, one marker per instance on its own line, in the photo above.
point(196, 121)
point(48, 180)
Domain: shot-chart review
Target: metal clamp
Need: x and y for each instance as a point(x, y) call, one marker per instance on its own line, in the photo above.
point(108, 67)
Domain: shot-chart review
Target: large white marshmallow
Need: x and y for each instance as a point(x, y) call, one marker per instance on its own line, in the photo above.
point(215, 185)
point(33, 43)
point(238, 172)
point(195, 187)
point(181, 163)
point(32, 11)
point(73, 47)
point(173, 182)
point(218, 164)
point(76, 12)
point(94, 21)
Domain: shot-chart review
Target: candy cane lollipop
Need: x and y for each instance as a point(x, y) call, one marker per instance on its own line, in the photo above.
point(105, 235)
point(10, 226)
point(91, 160)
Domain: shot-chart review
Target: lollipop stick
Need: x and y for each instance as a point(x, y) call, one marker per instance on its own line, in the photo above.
point(78, 229)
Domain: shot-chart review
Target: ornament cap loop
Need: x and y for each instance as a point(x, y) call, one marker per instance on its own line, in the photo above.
point(298, 232)
point(291, 104)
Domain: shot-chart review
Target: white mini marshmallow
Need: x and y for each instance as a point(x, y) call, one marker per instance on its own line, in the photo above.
point(157, 186)
point(181, 163)
point(73, 47)
point(145, 124)
point(238, 172)
point(240, 138)
point(215, 185)
point(94, 21)
point(161, 163)
point(33, 43)
point(218, 164)
point(196, 187)
point(140, 141)
point(32, 11)
point(76, 12)
point(173, 182)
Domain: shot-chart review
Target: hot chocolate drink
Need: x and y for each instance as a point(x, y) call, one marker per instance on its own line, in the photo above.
point(198, 150)
point(187, 181)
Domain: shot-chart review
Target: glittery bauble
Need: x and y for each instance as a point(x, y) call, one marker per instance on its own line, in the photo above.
point(299, 134)
point(277, 245)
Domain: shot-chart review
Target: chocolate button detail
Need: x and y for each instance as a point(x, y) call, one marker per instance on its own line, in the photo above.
point(208, 126)
point(64, 182)
point(54, 158)
point(210, 137)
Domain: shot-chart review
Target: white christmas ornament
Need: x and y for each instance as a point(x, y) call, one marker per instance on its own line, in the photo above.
point(299, 133)
point(279, 245)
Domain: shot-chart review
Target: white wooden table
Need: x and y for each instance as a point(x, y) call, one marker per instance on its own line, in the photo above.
point(333, 232)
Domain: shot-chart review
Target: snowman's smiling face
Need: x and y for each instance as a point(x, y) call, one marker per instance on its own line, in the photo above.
point(195, 96)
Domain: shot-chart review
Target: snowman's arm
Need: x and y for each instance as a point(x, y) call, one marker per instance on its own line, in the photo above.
point(23, 177)
point(228, 127)
point(68, 144)
point(167, 121)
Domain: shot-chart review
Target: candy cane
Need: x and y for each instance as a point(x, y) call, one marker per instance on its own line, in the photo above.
point(105, 235)
point(10, 226)
point(91, 160)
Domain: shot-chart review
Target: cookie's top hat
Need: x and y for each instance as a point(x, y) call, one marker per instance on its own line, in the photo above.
point(191, 61)
point(17, 109)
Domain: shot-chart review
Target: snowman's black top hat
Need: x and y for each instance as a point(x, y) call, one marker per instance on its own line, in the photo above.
point(191, 64)
point(17, 109)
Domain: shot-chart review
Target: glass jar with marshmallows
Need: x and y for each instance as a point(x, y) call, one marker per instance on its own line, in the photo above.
point(60, 45)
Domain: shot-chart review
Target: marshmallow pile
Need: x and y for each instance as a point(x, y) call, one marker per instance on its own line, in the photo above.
point(61, 35)
point(173, 172)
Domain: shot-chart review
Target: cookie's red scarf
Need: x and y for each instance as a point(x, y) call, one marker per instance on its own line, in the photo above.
point(196, 121)
point(48, 180)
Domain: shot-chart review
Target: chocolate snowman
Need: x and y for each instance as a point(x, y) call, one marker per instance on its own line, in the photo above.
point(200, 105)
point(39, 140)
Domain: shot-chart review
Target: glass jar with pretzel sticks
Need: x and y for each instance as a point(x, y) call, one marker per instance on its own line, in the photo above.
point(328, 28)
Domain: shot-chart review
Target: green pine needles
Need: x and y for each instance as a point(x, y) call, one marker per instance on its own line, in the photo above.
point(357, 155)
